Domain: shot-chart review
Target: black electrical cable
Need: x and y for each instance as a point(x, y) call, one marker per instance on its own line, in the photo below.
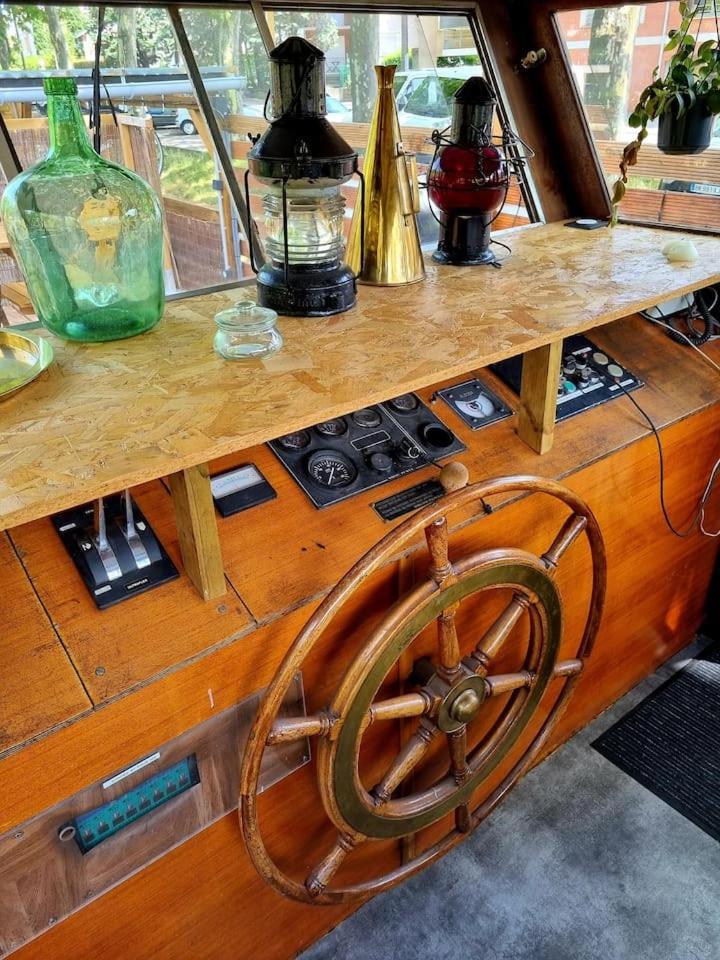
point(697, 517)
point(96, 83)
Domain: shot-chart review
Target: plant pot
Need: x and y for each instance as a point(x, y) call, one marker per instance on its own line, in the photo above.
point(687, 134)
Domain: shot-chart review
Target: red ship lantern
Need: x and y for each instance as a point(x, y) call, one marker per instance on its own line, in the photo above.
point(470, 175)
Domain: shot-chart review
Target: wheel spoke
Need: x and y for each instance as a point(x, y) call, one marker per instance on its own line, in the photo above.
point(457, 743)
point(408, 758)
point(288, 729)
point(398, 708)
point(567, 668)
point(505, 682)
point(319, 877)
point(569, 532)
point(448, 644)
point(496, 635)
point(437, 540)
point(462, 818)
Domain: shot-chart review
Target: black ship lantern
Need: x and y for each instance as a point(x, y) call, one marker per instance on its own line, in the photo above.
point(302, 161)
point(470, 175)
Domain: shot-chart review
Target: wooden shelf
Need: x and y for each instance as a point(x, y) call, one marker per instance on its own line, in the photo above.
point(108, 416)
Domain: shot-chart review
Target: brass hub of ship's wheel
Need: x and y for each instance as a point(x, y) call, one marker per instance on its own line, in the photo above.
point(450, 693)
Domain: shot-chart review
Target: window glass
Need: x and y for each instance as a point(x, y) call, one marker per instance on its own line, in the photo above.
point(157, 130)
point(434, 55)
point(613, 52)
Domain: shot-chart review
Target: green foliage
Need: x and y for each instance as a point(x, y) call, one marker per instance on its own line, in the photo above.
point(692, 75)
point(461, 60)
point(188, 175)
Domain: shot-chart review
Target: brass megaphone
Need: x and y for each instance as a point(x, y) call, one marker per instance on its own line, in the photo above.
point(392, 200)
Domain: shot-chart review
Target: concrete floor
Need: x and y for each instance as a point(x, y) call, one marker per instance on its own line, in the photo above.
point(579, 863)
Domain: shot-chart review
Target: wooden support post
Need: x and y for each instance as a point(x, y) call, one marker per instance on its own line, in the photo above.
point(538, 396)
point(197, 530)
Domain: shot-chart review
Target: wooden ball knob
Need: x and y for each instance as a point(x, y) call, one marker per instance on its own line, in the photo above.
point(454, 476)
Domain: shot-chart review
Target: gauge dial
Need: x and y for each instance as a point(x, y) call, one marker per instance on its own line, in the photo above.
point(295, 441)
point(479, 406)
point(367, 417)
point(332, 428)
point(405, 403)
point(330, 469)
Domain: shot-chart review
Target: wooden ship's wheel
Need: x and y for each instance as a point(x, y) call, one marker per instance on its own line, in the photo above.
point(450, 690)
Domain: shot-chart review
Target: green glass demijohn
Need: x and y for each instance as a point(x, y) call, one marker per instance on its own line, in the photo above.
point(86, 232)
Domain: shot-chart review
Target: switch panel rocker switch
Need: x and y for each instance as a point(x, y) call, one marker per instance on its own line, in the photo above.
point(114, 549)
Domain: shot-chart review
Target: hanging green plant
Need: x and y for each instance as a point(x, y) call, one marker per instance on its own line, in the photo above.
point(684, 101)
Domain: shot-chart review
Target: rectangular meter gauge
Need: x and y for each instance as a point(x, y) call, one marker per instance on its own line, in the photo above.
point(96, 825)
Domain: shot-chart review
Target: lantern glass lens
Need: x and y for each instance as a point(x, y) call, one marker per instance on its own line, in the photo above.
point(314, 225)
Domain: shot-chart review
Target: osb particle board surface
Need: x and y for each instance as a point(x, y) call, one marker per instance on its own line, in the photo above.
point(106, 416)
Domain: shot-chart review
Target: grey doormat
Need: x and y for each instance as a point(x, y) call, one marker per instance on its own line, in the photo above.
point(670, 743)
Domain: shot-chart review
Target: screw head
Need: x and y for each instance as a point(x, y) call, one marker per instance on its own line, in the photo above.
point(99, 671)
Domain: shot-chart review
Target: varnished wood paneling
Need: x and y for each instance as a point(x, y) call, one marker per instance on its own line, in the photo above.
point(38, 686)
point(115, 649)
point(205, 896)
point(174, 403)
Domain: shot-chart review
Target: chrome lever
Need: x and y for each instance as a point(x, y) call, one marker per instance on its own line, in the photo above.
point(137, 547)
point(102, 544)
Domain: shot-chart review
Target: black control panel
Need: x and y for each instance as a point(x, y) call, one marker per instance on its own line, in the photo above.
point(475, 403)
point(588, 377)
point(114, 549)
point(339, 458)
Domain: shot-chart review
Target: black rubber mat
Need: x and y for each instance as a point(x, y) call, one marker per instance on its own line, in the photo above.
point(670, 743)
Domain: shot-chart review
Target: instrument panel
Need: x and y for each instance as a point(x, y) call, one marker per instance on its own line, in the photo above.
point(588, 377)
point(344, 456)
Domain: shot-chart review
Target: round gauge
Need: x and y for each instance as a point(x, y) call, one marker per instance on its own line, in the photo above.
point(615, 370)
point(601, 359)
point(478, 406)
point(295, 441)
point(330, 469)
point(332, 428)
point(405, 403)
point(367, 417)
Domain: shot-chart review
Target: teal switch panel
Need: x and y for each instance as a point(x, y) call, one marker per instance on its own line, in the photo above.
point(96, 825)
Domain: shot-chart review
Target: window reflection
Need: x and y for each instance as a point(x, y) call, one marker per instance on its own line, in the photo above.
point(613, 52)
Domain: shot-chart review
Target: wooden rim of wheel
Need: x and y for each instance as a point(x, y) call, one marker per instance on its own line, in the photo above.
point(448, 700)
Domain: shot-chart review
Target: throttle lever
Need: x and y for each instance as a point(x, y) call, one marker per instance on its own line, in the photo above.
point(129, 531)
point(102, 544)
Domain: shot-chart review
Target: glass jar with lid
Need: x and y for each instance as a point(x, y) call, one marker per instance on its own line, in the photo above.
point(246, 331)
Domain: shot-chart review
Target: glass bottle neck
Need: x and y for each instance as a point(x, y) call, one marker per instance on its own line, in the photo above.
point(68, 135)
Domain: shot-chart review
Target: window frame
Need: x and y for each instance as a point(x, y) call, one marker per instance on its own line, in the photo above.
point(259, 9)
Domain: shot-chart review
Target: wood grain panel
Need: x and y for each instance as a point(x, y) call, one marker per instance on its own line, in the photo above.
point(205, 898)
point(174, 403)
point(39, 687)
point(115, 649)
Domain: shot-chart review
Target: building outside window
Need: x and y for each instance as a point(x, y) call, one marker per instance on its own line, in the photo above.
point(613, 52)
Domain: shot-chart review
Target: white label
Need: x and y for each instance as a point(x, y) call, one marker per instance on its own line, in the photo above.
point(236, 480)
point(130, 770)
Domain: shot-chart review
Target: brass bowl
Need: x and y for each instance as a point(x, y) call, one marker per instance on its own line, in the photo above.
point(22, 358)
